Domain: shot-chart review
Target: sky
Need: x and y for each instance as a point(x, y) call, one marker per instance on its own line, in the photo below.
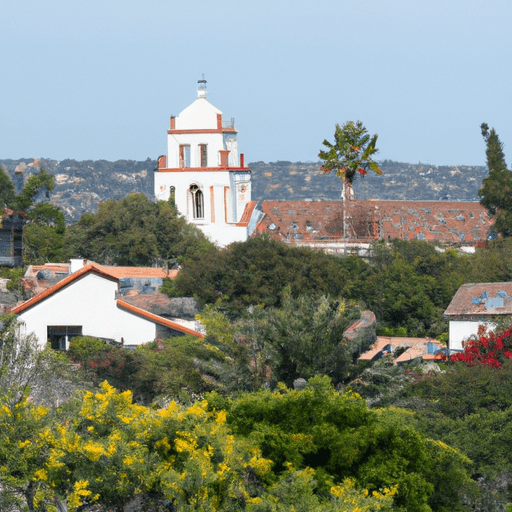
point(99, 79)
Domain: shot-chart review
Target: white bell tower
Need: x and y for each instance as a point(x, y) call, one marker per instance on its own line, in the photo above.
point(204, 172)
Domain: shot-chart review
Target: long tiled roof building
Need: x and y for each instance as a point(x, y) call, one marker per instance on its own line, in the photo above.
point(320, 223)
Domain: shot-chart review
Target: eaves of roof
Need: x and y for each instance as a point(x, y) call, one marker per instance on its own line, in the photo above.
point(139, 272)
point(157, 319)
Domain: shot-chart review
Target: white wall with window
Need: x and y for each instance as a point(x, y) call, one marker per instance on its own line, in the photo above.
point(212, 186)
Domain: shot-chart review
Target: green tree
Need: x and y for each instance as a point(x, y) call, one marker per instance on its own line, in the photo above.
point(135, 231)
point(37, 185)
point(255, 272)
point(6, 190)
point(25, 368)
point(339, 437)
point(351, 154)
point(496, 191)
point(180, 367)
point(302, 338)
point(44, 235)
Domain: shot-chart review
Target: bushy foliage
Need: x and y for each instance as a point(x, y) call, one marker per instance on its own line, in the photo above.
point(7, 192)
point(268, 452)
point(24, 368)
point(256, 272)
point(469, 406)
point(182, 368)
point(339, 437)
point(43, 235)
point(487, 348)
point(37, 187)
point(135, 231)
point(407, 285)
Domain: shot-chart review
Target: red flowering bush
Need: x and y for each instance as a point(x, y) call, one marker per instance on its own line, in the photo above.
point(487, 348)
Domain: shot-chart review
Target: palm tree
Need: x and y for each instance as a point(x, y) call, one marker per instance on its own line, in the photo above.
point(350, 155)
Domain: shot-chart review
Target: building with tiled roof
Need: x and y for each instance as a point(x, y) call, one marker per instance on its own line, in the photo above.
point(87, 303)
point(319, 224)
point(37, 278)
point(476, 304)
point(426, 348)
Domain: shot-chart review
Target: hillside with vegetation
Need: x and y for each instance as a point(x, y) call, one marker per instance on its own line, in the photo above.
point(81, 186)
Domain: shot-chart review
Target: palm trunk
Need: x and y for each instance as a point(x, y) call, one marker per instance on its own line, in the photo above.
point(347, 193)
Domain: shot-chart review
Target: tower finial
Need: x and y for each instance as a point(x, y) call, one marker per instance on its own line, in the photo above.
point(201, 88)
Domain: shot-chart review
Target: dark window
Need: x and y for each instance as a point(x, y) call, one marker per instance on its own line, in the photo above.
point(197, 202)
point(59, 336)
point(172, 196)
point(203, 155)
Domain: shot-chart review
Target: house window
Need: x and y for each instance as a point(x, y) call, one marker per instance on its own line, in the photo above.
point(203, 158)
point(197, 202)
point(59, 336)
point(184, 156)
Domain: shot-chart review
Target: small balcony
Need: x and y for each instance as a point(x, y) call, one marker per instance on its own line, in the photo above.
point(229, 124)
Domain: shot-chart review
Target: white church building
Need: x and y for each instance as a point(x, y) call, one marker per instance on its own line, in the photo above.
point(205, 173)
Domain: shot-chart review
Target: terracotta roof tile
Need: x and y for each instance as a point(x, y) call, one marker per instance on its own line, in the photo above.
point(157, 319)
point(320, 221)
point(59, 268)
point(141, 272)
point(246, 215)
point(416, 347)
point(481, 299)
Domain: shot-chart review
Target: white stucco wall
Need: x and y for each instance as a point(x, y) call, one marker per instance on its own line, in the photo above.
point(461, 330)
point(224, 196)
point(218, 231)
point(199, 115)
point(225, 235)
point(214, 143)
point(90, 302)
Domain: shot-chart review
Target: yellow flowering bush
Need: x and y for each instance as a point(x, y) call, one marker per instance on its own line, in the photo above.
point(311, 450)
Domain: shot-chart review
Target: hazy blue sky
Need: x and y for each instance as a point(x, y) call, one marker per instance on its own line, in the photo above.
point(99, 79)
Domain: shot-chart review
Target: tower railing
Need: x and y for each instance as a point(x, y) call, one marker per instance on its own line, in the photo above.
point(229, 124)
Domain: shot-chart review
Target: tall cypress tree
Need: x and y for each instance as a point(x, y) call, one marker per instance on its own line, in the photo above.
point(496, 191)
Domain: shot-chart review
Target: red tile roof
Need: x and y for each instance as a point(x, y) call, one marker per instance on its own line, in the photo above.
point(111, 272)
point(142, 272)
point(367, 320)
point(157, 319)
point(321, 221)
point(59, 268)
point(477, 299)
point(246, 215)
point(416, 347)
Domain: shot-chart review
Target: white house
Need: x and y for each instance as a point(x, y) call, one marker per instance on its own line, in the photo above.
point(205, 173)
point(86, 303)
point(473, 305)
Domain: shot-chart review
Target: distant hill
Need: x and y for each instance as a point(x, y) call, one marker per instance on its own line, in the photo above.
point(399, 181)
point(82, 185)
